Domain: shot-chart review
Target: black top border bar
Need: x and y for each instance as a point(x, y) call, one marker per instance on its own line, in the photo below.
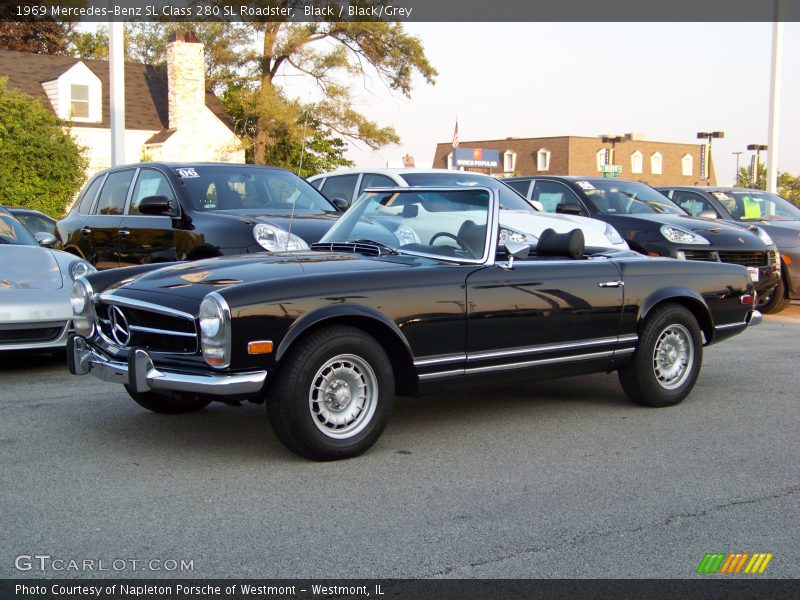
point(405, 11)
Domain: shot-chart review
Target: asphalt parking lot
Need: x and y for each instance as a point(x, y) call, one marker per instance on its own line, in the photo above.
point(562, 478)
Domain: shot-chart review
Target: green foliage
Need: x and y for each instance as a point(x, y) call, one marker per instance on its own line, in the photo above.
point(743, 178)
point(41, 165)
point(789, 188)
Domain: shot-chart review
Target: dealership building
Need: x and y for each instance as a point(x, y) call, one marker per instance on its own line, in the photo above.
point(656, 163)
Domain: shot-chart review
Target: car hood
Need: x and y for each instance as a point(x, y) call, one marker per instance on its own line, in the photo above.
point(198, 278)
point(310, 227)
point(719, 233)
point(536, 223)
point(28, 268)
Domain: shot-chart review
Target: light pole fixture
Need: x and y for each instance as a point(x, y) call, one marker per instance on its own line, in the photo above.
point(755, 161)
point(705, 156)
point(613, 140)
point(738, 154)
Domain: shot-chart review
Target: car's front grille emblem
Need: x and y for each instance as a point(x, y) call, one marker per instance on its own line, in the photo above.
point(120, 330)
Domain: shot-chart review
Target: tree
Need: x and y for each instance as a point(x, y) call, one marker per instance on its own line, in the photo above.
point(254, 64)
point(41, 165)
point(743, 178)
point(789, 188)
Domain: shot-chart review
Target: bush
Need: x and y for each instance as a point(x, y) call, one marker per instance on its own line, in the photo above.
point(41, 165)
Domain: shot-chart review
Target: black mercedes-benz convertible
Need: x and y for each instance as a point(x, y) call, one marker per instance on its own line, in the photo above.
point(412, 287)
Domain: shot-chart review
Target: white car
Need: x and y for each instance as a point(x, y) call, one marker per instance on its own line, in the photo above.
point(35, 288)
point(520, 221)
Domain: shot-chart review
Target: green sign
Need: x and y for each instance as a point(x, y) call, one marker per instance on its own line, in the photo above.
point(611, 170)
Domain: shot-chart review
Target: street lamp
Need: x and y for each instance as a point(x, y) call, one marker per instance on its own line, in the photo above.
point(613, 140)
point(755, 161)
point(738, 154)
point(705, 157)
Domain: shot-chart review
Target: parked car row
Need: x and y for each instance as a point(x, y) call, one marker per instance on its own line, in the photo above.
point(382, 283)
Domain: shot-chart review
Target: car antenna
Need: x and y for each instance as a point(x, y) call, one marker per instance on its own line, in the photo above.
point(297, 182)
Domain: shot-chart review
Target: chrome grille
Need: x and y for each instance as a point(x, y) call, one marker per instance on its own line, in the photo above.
point(148, 329)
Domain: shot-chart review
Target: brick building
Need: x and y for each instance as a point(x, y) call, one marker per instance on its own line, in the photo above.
point(656, 163)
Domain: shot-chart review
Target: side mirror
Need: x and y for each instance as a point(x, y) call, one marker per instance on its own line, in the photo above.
point(569, 208)
point(707, 214)
point(515, 250)
point(157, 205)
point(341, 204)
point(47, 240)
point(537, 205)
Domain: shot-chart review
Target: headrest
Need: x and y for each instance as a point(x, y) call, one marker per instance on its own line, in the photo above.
point(568, 244)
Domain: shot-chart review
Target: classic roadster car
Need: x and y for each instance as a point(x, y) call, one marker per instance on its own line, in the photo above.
point(409, 289)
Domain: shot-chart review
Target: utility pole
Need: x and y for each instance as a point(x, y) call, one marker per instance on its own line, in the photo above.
point(736, 178)
point(116, 66)
point(774, 103)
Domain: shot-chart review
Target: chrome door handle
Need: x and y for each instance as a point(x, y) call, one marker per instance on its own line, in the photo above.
point(611, 284)
point(124, 233)
point(85, 230)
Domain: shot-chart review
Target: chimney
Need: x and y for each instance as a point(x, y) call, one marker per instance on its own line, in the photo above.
point(186, 80)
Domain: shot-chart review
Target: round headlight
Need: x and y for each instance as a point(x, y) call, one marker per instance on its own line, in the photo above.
point(80, 268)
point(762, 235)
point(512, 235)
point(79, 298)
point(210, 317)
point(613, 235)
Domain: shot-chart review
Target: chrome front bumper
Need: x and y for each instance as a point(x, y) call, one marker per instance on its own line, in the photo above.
point(141, 375)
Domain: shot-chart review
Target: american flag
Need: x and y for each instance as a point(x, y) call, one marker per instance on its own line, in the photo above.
point(455, 135)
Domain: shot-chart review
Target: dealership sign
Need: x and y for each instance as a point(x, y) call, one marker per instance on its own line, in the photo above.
point(476, 157)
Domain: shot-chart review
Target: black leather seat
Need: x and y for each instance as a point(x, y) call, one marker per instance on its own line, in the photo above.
point(472, 237)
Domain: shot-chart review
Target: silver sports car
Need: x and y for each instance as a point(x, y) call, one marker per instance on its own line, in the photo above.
point(35, 284)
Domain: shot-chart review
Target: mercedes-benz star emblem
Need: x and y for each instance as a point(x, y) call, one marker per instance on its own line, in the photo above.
point(120, 330)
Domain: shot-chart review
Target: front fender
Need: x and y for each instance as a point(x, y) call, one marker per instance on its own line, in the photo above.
point(104, 279)
point(339, 313)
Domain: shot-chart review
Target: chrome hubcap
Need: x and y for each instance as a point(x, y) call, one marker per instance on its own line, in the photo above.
point(343, 396)
point(673, 356)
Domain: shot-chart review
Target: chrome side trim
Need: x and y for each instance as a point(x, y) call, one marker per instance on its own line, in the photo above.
point(731, 325)
point(518, 365)
point(541, 361)
point(160, 331)
point(156, 308)
point(439, 360)
point(551, 347)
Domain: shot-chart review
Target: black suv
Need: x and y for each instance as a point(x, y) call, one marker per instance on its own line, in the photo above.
point(162, 212)
point(652, 224)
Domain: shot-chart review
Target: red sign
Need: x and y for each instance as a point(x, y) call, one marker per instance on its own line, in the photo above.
point(477, 154)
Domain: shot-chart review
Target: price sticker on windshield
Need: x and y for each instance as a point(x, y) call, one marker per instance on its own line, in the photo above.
point(186, 173)
point(585, 185)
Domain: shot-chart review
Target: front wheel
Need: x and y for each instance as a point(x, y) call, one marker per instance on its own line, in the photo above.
point(175, 404)
point(666, 363)
point(333, 394)
point(775, 301)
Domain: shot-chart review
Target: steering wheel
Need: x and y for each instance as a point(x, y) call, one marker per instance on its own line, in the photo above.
point(448, 235)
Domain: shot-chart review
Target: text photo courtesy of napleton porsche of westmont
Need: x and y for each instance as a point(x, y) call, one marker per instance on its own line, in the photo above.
point(399, 299)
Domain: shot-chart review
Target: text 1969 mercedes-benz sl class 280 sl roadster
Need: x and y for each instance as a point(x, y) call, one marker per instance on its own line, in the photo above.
point(388, 303)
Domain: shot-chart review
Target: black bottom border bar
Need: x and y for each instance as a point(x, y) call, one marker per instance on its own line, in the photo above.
point(386, 589)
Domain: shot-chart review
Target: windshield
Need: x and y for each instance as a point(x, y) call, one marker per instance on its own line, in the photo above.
point(251, 189)
point(755, 205)
point(13, 232)
point(509, 198)
point(447, 224)
point(627, 198)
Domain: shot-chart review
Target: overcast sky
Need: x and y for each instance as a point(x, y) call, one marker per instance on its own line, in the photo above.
point(665, 80)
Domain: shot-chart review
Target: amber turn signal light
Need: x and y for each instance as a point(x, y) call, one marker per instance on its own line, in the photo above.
point(262, 347)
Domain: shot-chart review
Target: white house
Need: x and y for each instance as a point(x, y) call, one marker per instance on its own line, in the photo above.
point(169, 113)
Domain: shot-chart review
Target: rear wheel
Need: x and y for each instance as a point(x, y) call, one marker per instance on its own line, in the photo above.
point(775, 301)
point(168, 405)
point(666, 363)
point(333, 394)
